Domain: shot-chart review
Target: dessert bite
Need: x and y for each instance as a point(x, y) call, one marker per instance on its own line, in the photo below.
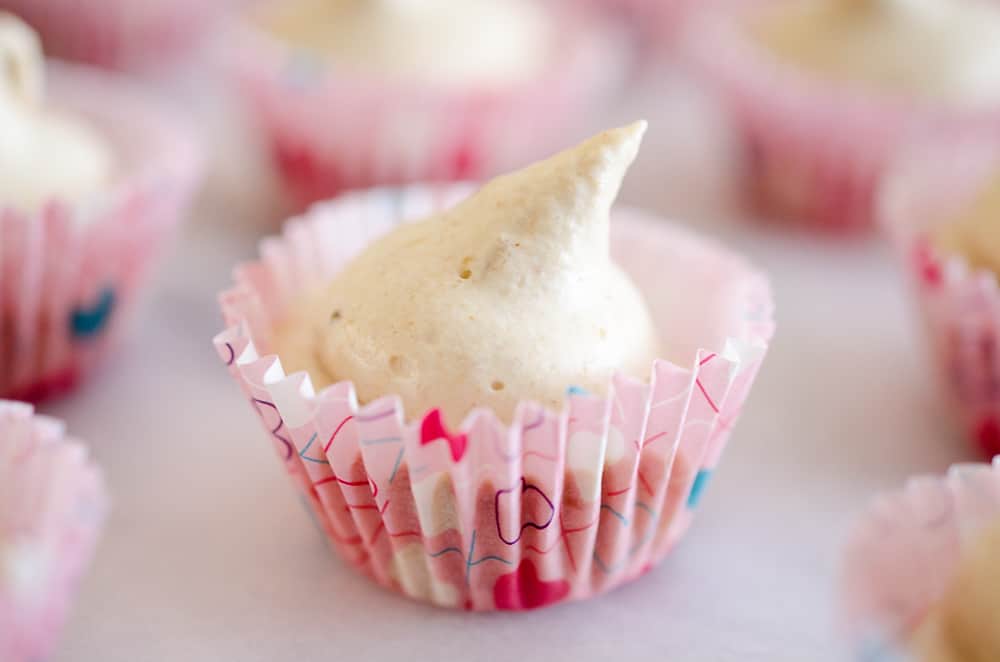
point(933, 50)
point(429, 40)
point(510, 295)
point(45, 152)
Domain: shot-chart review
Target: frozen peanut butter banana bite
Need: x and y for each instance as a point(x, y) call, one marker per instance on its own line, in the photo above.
point(974, 234)
point(939, 50)
point(437, 40)
point(44, 153)
point(963, 627)
point(510, 295)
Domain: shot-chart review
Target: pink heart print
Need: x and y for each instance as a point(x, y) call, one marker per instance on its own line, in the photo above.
point(432, 428)
point(524, 589)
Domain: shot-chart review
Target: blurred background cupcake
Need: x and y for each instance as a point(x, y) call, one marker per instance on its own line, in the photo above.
point(120, 33)
point(353, 94)
point(922, 571)
point(941, 205)
point(92, 180)
point(52, 507)
point(826, 91)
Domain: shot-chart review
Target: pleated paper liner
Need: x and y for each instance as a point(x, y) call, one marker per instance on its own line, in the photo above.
point(52, 506)
point(486, 516)
point(70, 274)
point(815, 149)
point(330, 130)
point(905, 551)
point(932, 184)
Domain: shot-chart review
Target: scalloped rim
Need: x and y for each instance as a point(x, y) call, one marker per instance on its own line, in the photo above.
point(758, 325)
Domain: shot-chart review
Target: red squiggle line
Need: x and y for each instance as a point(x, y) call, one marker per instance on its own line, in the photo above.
point(381, 511)
point(617, 492)
point(381, 527)
point(708, 398)
point(711, 403)
point(403, 533)
point(335, 433)
point(648, 440)
point(645, 483)
point(550, 458)
point(538, 550)
point(335, 477)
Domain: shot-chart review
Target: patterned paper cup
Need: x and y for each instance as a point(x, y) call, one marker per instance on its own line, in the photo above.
point(70, 274)
point(905, 551)
point(961, 307)
point(557, 505)
point(117, 33)
point(52, 505)
point(815, 149)
point(330, 130)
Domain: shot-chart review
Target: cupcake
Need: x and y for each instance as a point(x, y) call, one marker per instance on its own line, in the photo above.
point(826, 92)
point(91, 183)
point(52, 505)
point(923, 571)
point(118, 33)
point(941, 205)
point(352, 94)
point(519, 403)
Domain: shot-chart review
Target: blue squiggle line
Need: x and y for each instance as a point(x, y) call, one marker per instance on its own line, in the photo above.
point(395, 467)
point(444, 551)
point(646, 538)
point(378, 442)
point(305, 450)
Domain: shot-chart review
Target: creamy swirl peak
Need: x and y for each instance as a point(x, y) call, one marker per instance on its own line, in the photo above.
point(510, 295)
point(942, 50)
point(471, 41)
point(45, 154)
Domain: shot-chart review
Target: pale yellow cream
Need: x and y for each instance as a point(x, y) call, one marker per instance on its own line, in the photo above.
point(940, 50)
point(45, 154)
point(478, 41)
point(963, 628)
point(975, 233)
point(510, 295)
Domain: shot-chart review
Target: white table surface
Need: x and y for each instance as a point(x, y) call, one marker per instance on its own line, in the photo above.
point(208, 555)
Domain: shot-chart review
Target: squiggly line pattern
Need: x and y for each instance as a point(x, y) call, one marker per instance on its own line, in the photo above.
point(289, 450)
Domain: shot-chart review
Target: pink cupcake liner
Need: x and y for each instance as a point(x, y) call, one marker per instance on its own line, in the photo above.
point(52, 506)
point(556, 506)
point(905, 551)
point(330, 130)
point(117, 33)
point(69, 275)
point(815, 149)
point(960, 306)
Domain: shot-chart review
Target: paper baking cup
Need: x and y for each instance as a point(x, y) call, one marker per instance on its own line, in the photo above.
point(117, 33)
point(905, 551)
point(330, 130)
point(558, 505)
point(52, 505)
point(69, 274)
point(932, 184)
point(815, 149)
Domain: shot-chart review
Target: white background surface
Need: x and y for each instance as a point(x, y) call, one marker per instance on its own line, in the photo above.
point(208, 555)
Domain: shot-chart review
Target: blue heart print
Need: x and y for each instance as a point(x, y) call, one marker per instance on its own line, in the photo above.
point(87, 322)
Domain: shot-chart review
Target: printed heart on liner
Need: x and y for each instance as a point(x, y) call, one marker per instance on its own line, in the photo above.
point(524, 589)
point(533, 500)
point(432, 428)
point(87, 322)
